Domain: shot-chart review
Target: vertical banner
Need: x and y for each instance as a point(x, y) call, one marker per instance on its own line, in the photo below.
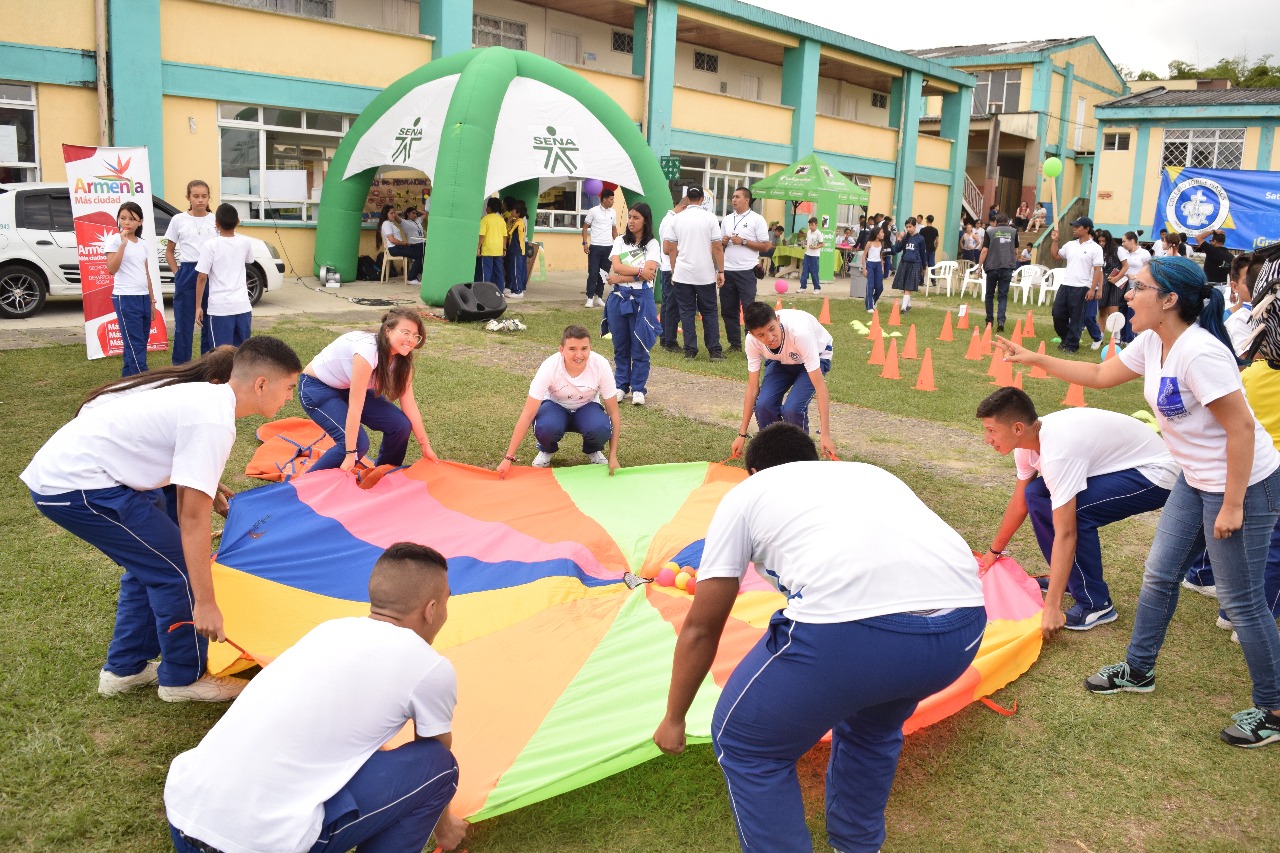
point(100, 180)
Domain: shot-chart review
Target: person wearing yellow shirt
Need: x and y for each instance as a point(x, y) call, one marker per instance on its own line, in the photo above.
point(492, 243)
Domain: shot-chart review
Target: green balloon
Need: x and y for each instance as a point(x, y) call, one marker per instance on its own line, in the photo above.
point(1052, 167)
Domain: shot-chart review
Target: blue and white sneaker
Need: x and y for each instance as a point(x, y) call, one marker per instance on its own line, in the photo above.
point(1206, 589)
point(1119, 678)
point(1042, 581)
point(1080, 619)
point(1254, 727)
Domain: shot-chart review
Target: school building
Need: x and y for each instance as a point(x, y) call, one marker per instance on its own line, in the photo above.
point(254, 96)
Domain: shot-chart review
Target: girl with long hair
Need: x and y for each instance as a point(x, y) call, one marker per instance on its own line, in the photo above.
point(630, 312)
point(379, 364)
point(132, 292)
point(1112, 294)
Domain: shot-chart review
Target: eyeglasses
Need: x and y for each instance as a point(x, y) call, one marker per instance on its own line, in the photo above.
point(413, 336)
point(1133, 285)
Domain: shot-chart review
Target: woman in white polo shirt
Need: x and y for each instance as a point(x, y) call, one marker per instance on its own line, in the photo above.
point(132, 294)
point(1225, 502)
point(631, 313)
point(382, 365)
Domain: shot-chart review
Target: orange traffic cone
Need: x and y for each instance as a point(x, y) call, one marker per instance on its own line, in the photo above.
point(925, 380)
point(895, 316)
point(1017, 380)
point(891, 362)
point(1017, 335)
point(963, 322)
point(876, 331)
point(909, 348)
point(1030, 328)
point(824, 316)
point(946, 329)
point(877, 350)
point(1003, 377)
point(975, 348)
point(778, 307)
point(1039, 372)
point(1075, 396)
point(986, 339)
point(992, 369)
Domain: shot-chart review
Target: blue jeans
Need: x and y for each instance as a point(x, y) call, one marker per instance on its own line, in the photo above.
point(698, 299)
point(780, 378)
point(997, 286)
point(1239, 563)
point(491, 270)
point(1106, 498)
point(597, 260)
point(1201, 573)
point(1090, 323)
point(859, 680)
point(233, 329)
point(633, 320)
point(1068, 315)
point(808, 268)
point(414, 253)
point(184, 315)
point(328, 408)
point(554, 420)
point(875, 283)
point(134, 314)
point(136, 530)
point(738, 292)
point(670, 311)
point(517, 269)
point(391, 804)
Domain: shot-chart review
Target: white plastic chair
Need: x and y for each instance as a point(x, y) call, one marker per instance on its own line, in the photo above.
point(976, 277)
point(1050, 284)
point(1025, 278)
point(938, 274)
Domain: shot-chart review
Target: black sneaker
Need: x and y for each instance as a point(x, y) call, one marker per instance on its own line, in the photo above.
point(1000, 328)
point(718, 356)
point(734, 348)
point(1042, 581)
point(1118, 678)
point(1254, 727)
point(690, 356)
point(671, 348)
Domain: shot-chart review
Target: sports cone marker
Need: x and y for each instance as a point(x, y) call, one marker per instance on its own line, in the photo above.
point(909, 348)
point(877, 350)
point(1039, 372)
point(1017, 380)
point(895, 316)
point(1075, 396)
point(963, 317)
point(1016, 337)
point(876, 331)
point(975, 348)
point(925, 381)
point(1029, 329)
point(824, 316)
point(986, 340)
point(891, 362)
point(778, 307)
point(946, 329)
point(1003, 377)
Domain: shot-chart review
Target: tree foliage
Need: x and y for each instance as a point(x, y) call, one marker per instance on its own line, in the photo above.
point(1240, 70)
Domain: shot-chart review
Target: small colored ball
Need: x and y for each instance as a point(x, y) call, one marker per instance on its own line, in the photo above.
point(682, 579)
point(673, 566)
point(1052, 167)
point(691, 585)
point(649, 572)
point(666, 577)
point(780, 286)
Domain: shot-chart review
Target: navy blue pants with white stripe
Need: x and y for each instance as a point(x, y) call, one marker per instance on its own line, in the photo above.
point(859, 680)
point(135, 530)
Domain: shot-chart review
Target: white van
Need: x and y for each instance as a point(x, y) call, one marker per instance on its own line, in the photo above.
point(38, 258)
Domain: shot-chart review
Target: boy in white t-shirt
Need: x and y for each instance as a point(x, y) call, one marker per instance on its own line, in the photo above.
point(221, 268)
point(1078, 470)
point(812, 253)
point(573, 391)
point(884, 608)
point(295, 764)
point(100, 477)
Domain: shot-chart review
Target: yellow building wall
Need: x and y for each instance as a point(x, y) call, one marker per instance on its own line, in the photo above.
point(66, 114)
point(707, 112)
point(881, 198)
point(264, 42)
point(933, 152)
point(66, 23)
point(627, 92)
point(854, 138)
point(931, 200)
point(1055, 105)
point(1151, 189)
point(190, 155)
point(1090, 64)
point(1275, 158)
point(1114, 178)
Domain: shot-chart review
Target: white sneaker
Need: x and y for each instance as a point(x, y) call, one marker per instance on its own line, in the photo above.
point(1224, 623)
point(110, 684)
point(597, 458)
point(516, 295)
point(622, 395)
point(591, 303)
point(208, 688)
point(637, 398)
point(413, 282)
point(1210, 590)
point(1096, 345)
point(542, 460)
point(599, 301)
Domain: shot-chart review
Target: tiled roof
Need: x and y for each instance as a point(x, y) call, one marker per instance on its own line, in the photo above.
point(1161, 97)
point(979, 50)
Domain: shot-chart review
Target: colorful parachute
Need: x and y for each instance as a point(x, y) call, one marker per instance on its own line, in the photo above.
point(562, 668)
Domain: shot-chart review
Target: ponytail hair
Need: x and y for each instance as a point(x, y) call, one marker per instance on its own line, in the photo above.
point(1198, 301)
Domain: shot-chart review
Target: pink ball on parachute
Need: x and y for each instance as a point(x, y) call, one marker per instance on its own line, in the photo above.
point(780, 286)
point(592, 187)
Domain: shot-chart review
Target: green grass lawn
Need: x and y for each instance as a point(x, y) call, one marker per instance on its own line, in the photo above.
point(1068, 772)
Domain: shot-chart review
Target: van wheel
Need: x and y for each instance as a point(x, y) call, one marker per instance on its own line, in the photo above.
point(257, 282)
point(22, 292)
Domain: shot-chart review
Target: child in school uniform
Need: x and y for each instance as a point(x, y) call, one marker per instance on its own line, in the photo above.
point(911, 270)
point(102, 476)
point(188, 231)
point(516, 268)
point(222, 269)
point(133, 293)
point(812, 254)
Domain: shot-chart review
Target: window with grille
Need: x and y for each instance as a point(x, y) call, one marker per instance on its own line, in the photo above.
point(1204, 148)
point(488, 31)
point(996, 92)
point(623, 42)
point(709, 62)
point(879, 100)
point(1115, 142)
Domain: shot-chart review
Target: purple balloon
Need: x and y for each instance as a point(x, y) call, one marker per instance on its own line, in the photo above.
point(592, 187)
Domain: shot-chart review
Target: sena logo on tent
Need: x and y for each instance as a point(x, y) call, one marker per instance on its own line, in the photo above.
point(405, 138)
point(557, 149)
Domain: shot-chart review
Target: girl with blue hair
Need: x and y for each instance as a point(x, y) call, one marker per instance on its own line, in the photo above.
point(1226, 503)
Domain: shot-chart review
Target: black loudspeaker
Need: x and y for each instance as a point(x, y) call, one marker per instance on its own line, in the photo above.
point(475, 300)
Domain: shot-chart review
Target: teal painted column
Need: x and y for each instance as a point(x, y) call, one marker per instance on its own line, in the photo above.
point(1139, 175)
point(640, 34)
point(904, 182)
point(1041, 88)
point(956, 109)
point(1065, 117)
point(662, 77)
point(800, 91)
point(448, 22)
point(1265, 141)
point(895, 103)
point(1097, 171)
point(137, 91)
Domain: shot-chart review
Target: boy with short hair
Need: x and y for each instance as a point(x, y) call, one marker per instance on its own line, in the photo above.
point(812, 251)
point(222, 269)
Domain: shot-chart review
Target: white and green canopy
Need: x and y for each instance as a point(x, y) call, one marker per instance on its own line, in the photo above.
point(807, 180)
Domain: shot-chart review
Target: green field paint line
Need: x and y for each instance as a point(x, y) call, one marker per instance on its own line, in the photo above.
point(632, 504)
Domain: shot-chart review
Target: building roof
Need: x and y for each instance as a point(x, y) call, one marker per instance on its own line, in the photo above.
point(980, 50)
point(1162, 97)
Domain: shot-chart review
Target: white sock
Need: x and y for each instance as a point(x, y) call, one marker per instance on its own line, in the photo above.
point(906, 300)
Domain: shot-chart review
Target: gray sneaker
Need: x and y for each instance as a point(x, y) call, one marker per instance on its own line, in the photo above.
point(209, 688)
point(1119, 678)
point(110, 684)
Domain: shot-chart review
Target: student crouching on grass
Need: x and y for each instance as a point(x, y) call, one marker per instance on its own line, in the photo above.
point(221, 269)
point(100, 477)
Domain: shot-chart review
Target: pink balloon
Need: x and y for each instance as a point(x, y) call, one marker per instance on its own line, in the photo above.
point(780, 286)
point(592, 187)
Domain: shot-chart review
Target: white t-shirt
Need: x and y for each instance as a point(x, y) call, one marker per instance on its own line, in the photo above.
point(223, 259)
point(843, 541)
point(1197, 370)
point(812, 238)
point(694, 231)
point(1076, 444)
point(1137, 259)
point(1082, 259)
point(666, 232)
point(1239, 328)
point(749, 226)
point(804, 341)
point(131, 278)
point(412, 230)
point(1158, 248)
point(258, 781)
point(636, 256)
point(553, 382)
point(389, 230)
point(188, 233)
point(181, 435)
point(332, 365)
point(601, 221)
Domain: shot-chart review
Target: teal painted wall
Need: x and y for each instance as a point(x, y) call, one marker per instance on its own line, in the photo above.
point(448, 22)
point(224, 84)
point(640, 29)
point(956, 109)
point(136, 81)
point(662, 77)
point(904, 185)
point(1265, 142)
point(39, 64)
point(800, 90)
